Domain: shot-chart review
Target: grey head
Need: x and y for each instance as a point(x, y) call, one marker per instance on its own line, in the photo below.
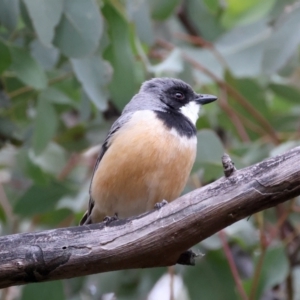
point(171, 96)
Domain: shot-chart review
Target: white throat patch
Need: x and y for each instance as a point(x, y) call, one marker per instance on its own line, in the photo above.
point(191, 111)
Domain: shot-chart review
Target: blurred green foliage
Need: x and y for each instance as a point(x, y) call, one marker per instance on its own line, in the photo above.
point(68, 67)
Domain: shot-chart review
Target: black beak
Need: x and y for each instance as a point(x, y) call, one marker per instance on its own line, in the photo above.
point(205, 99)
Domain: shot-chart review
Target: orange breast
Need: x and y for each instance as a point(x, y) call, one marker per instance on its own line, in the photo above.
point(145, 163)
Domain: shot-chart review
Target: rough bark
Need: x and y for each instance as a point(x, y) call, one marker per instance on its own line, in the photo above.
point(153, 239)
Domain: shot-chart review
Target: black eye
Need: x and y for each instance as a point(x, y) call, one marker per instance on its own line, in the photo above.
point(179, 95)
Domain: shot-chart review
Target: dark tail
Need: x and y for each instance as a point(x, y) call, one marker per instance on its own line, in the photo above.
point(86, 219)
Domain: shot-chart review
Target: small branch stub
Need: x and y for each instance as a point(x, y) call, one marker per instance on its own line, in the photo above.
point(187, 258)
point(228, 165)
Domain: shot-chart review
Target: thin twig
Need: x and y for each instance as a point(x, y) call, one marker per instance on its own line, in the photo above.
point(286, 229)
point(186, 21)
point(70, 165)
point(232, 266)
point(27, 89)
point(234, 118)
point(171, 271)
point(263, 247)
point(199, 41)
point(281, 220)
point(7, 208)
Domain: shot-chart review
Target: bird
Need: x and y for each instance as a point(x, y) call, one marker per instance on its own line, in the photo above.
point(148, 153)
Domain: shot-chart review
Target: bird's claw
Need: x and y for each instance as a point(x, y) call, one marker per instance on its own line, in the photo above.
point(159, 205)
point(107, 220)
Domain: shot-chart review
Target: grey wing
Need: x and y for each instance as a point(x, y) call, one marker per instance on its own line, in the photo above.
point(86, 219)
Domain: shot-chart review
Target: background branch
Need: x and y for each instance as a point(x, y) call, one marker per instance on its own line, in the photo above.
point(154, 239)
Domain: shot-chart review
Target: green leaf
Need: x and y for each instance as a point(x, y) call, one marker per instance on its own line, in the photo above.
point(209, 146)
point(46, 123)
point(31, 169)
point(162, 9)
point(73, 139)
point(3, 216)
point(52, 160)
point(44, 15)
point(80, 28)
point(254, 93)
point(203, 20)
point(56, 96)
point(126, 284)
point(94, 74)
point(70, 87)
point(243, 232)
point(206, 58)
point(140, 14)
point(119, 54)
point(40, 199)
point(27, 69)
point(242, 44)
point(212, 5)
point(279, 7)
point(274, 271)
point(173, 64)
point(284, 147)
point(282, 43)
point(52, 218)
point(47, 57)
point(296, 279)
point(212, 268)
point(9, 13)
point(5, 60)
point(289, 93)
point(209, 154)
point(9, 132)
point(45, 290)
point(245, 12)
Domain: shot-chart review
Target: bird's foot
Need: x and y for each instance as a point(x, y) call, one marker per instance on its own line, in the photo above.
point(107, 220)
point(159, 205)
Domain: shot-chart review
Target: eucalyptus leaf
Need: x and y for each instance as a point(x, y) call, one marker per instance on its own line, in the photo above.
point(289, 93)
point(47, 57)
point(173, 64)
point(27, 69)
point(9, 13)
point(44, 290)
point(79, 30)
point(162, 9)
point(119, 54)
point(40, 199)
point(209, 149)
point(56, 96)
point(140, 14)
point(5, 60)
point(246, 12)
point(213, 5)
point(207, 59)
point(32, 170)
point(274, 271)
point(209, 154)
point(44, 15)
point(283, 42)
point(199, 279)
point(51, 160)
point(94, 73)
point(204, 22)
point(46, 123)
point(244, 43)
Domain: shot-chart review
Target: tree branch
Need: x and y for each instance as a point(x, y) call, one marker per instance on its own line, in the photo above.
point(154, 239)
